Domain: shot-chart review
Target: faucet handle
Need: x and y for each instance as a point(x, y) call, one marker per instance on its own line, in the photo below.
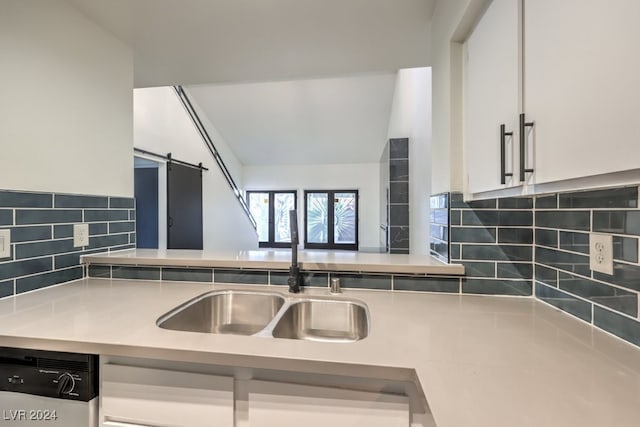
point(335, 286)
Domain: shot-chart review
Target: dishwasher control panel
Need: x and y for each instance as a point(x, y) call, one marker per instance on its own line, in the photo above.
point(60, 375)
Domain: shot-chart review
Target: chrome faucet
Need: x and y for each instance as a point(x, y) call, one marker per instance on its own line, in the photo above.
point(295, 279)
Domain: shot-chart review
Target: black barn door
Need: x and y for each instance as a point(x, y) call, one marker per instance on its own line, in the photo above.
point(184, 207)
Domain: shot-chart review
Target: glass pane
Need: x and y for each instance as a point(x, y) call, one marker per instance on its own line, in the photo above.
point(344, 210)
point(283, 203)
point(317, 223)
point(259, 208)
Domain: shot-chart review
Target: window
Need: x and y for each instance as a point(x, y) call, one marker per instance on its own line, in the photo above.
point(331, 219)
point(271, 209)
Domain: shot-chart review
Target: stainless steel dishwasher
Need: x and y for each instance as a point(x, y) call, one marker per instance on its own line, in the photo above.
point(48, 388)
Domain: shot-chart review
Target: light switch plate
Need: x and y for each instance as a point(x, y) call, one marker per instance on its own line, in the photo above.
point(5, 243)
point(80, 235)
point(601, 253)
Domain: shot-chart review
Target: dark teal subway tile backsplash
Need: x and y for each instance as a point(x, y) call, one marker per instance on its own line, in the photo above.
point(479, 268)
point(23, 199)
point(366, 281)
point(601, 293)
point(66, 260)
point(546, 202)
point(254, 277)
point(624, 327)
point(135, 272)
point(6, 288)
point(482, 204)
point(64, 231)
point(515, 203)
point(50, 247)
point(546, 275)
point(571, 220)
point(96, 270)
point(574, 242)
point(13, 269)
point(569, 262)
point(29, 234)
point(49, 216)
point(496, 287)
point(473, 235)
point(106, 215)
point(98, 228)
point(41, 224)
point(619, 222)
point(564, 302)
point(496, 252)
point(6, 217)
point(47, 279)
point(625, 249)
point(497, 218)
point(427, 284)
point(559, 235)
point(626, 197)
point(108, 241)
point(75, 201)
point(625, 275)
point(188, 274)
point(121, 203)
point(121, 227)
point(515, 235)
point(514, 270)
point(546, 237)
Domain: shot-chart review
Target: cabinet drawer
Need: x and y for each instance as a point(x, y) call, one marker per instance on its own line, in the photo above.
point(275, 404)
point(157, 397)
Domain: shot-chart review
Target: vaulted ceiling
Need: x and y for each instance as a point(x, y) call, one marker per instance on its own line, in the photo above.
point(283, 81)
point(317, 121)
point(214, 41)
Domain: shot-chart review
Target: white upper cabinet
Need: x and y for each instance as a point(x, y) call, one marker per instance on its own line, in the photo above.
point(492, 96)
point(582, 86)
point(572, 67)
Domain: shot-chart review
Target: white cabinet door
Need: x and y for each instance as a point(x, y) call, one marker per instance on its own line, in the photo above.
point(154, 397)
point(274, 404)
point(492, 94)
point(582, 86)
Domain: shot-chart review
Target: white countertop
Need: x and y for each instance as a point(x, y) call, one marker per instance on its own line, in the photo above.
point(313, 260)
point(481, 361)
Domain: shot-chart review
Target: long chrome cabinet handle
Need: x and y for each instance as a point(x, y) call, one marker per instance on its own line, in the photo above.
point(523, 126)
point(503, 168)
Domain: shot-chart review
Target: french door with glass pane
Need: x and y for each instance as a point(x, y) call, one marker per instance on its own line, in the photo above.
point(331, 219)
point(271, 209)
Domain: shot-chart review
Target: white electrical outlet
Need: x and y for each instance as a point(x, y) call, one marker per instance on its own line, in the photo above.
point(601, 253)
point(80, 235)
point(5, 243)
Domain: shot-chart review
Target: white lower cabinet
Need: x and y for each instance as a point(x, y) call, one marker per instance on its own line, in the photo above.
point(134, 396)
point(275, 404)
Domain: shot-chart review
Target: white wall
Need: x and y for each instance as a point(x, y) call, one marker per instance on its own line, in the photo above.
point(66, 104)
point(411, 117)
point(364, 177)
point(161, 125)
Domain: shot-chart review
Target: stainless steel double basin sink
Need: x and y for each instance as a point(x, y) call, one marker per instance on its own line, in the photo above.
point(270, 314)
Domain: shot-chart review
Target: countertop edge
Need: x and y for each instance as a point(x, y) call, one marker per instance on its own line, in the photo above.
point(439, 270)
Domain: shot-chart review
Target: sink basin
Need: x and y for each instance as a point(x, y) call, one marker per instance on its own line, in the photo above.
point(324, 320)
point(224, 312)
